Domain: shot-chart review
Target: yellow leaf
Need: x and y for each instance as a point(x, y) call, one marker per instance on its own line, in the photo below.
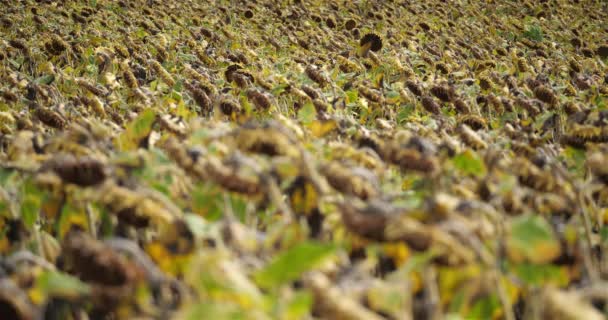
point(4, 245)
point(398, 251)
point(50, 209)
point(321, 128)
point(450, 279)
point(303, 197)
point(36, 295)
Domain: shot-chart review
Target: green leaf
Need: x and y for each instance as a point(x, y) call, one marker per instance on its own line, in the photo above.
point(508, 117)
point(575, 158)
point(239, 207)
point(540, 121)
point(531, 238)
point(388, 298)
point(307, 113)
point(600, 102)
point(69, 214)
point(299, 306)
point(352, 96)
point(458, 301)
point(137, 130)
point(29, 211)
point(176, 95)
point(30, 203)
point(6, 175)
point(484, 308)
point(204, 201)
point(453, 316)
point(214, 310)
point(62, 285)
point(16, 63)
point(140, 127)
point(534, 33)
point(91, 69)
point(468, 162)
point(153, 85)
point(141, 33)
point(179, 86)
point(208, 201)
point(47, 79)
point(279, 89)
point(106, 226)
point(405, 112)
point(604, 234)
point(392, 94)
point(291, 264)
point(4, 208)
point(186, 57)
point(537, 275)
point(416, 263)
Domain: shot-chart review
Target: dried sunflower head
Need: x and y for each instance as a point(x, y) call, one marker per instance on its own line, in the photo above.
point(370, 41)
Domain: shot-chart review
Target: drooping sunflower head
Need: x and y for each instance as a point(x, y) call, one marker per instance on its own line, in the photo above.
point(371, 40)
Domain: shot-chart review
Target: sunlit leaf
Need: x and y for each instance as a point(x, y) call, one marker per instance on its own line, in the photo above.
point(61, 285)
point(303, 197)
point(136, 130)
point(307, 113)
point(210, 201)
point(542, 274)
point(485, 308)
point(468, 162)
point(197, 225)
point(352, 96)
point(450, 279)
point(140, 127)
point(31, 203)
point(29, 211)
point(531, 238)
point(321, 128)
point(299, 306)
point(389, 298)
point(289, 265)
point(70, 217)
point(205, 201)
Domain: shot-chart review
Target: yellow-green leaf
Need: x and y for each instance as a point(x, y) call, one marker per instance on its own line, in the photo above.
point(291, 264)
point(531, 239)
point(136, 130)
point(468, 162)
point(307, 113)
point(62, 285)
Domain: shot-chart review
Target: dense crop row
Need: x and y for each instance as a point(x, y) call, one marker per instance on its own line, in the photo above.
point(303, 159)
